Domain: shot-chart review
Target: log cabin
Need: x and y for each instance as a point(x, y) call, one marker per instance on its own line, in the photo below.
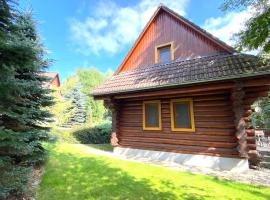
point(183, 96)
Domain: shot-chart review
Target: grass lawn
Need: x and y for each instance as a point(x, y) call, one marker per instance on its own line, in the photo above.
point(71, 173)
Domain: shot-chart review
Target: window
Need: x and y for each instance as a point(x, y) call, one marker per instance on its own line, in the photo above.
point(182, 116)
point(151, 115)
point(164, 53)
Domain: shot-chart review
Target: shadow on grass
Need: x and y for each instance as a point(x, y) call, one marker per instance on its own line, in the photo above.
point(78, 177)
point(73, 176)
point(103, 147)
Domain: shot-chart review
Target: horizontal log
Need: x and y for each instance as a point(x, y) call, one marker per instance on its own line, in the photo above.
point(212, 98)
point(228, 114)
point(262, 88)
point(257, 82)
point(181, 136)
point(251, 140)
point(179, 142)
point(257, 94)
point(250, 132)
point(184, 90)
point(213, 108)
point(165, 97)
point(251, 146)
point(214, 125)
point(212, 103)
point(214, 119)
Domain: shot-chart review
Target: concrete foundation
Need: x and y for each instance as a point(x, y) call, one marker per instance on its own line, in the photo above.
point(170, 158)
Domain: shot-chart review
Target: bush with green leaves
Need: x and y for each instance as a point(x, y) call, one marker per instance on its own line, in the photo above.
point(99, 134)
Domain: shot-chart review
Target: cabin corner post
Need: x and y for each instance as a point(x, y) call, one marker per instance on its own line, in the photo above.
point(113, 106)
point(237, 97)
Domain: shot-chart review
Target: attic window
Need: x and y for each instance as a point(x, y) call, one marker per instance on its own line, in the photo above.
point(164, 53)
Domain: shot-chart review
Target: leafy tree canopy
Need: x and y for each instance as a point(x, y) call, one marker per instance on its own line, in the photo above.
point(255, 35)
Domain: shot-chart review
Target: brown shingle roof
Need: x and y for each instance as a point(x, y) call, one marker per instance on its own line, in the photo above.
point(199, 70)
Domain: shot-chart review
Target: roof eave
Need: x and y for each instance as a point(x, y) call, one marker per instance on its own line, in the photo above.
point(228, 78)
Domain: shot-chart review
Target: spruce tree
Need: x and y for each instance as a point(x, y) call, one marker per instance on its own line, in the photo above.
point(22, 98)
point(77, 109)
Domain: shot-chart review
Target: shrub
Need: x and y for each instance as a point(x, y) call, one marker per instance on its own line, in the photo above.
point(99, 134)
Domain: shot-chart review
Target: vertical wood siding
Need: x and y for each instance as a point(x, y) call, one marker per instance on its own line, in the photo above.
point(214, 124)
point(165, 28)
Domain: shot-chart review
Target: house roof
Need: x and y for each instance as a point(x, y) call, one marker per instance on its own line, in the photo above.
point(181, 19)
point(50, 75)
point(212, 68)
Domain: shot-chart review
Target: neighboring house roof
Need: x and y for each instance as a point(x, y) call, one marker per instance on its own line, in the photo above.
point(181, 19)
point(51, 75)
point(177, 73)
point(53, 78)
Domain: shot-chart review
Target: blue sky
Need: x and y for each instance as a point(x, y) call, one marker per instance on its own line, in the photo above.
point(87, 33)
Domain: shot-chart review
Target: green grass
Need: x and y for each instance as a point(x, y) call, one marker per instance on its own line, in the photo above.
point(71, 173)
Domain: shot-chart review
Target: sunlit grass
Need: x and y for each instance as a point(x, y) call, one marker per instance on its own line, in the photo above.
point(71, 173)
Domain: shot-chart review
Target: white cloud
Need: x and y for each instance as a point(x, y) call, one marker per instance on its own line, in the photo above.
point(112, 27)
point(224, 27)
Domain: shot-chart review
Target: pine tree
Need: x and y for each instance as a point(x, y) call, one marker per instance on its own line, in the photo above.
point(77, 109)
point(22, 98)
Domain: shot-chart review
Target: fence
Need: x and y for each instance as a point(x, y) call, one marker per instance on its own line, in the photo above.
point(263, 141)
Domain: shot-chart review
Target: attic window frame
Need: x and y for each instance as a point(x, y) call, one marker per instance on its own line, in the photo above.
point(162, 46)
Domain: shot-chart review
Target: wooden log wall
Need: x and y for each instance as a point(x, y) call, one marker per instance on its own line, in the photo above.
point(214, 124)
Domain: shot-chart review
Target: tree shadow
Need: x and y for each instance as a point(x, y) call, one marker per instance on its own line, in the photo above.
point(93, 178)
point(76, 176)
point(102, 147)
